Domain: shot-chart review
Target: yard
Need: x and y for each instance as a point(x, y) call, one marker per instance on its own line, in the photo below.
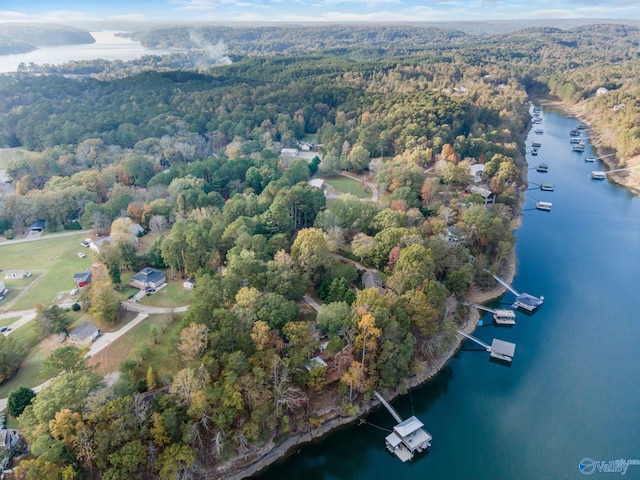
point(341, 185)
point(158, 332)
point(57, 257)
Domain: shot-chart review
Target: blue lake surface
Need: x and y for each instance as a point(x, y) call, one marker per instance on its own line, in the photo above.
point(573, 390)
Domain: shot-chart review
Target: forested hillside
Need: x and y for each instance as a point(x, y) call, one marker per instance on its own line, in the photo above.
point(197, 159)
point(24, 37)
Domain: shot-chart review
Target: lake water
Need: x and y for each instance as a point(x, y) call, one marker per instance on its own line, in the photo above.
point(573, 390)
point(107, 47)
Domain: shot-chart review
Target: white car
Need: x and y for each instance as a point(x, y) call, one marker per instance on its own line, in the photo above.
point(81, 255)
point(74, 291)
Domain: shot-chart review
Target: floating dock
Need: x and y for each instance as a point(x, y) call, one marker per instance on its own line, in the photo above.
point(539, 131)
point(547, 187)
point(523, 300)
point(598, 175)
point(546, 206)
point(579, 147)
point(543, 168)
point(408, 436)
point(500, 316)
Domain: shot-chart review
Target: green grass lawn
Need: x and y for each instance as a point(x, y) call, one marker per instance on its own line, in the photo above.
point(8, 321)
point(57, 257)
point(28, 374)
point(161, 354)
point(347, 185)
point(172, 295)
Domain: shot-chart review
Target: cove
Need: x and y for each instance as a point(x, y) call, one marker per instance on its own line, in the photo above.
point(572, 391)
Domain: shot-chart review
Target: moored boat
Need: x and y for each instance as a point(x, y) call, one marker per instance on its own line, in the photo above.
point(589, 159)
point(539, 131)
point(536, 144)
point(574, 133)
point(579, 147)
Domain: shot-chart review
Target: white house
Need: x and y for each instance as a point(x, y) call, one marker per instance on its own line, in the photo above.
point(317, 183)
point(14, 274)
point(289, 152)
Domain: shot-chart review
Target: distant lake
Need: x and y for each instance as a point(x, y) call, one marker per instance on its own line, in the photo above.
point(107, 47)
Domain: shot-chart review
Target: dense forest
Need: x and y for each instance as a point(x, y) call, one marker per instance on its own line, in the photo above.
point(196, 158)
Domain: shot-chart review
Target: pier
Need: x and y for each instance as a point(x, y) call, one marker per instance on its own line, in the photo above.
point(523, 300)
point(407, 437)
point(500, 316)
point(499, 349)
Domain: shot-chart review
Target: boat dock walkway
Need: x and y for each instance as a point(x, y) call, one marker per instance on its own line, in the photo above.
point(523, 300)
point(388, 406)
point(499, 349)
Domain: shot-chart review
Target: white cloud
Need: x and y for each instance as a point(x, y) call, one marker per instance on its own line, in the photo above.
point(6, 16)
point(131, 17)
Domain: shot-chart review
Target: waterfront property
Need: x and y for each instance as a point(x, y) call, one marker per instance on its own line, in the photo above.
point(148, 278)
point(407, 437)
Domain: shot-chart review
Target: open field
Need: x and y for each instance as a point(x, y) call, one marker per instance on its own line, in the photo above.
point(57, 257)
point(111, 358)
point(169, 296)
point(347, 185)
point(28, 374)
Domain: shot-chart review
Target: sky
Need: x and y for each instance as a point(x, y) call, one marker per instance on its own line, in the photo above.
point(386, 11)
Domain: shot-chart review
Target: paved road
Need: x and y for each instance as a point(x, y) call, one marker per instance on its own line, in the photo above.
point(46, 237)
point(371, 185)
point(103, 341)
point(312, 303)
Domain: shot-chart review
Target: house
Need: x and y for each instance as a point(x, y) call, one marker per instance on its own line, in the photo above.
point(477, 172)
point(85, 333)
point(82, 278)
point(98, 244)
point(148, 278)
point(289, 152)
point(37, 226)
point(306, 146)
point(316, 362)
point(370, 279)
point(14, 274)
point(316, 183)
point(8, 438)
point(452, 236)
point(484, 192)
point(136, 230)
point(189, 283)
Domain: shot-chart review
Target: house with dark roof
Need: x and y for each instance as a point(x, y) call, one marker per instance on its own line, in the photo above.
point(8, 438)
point(148, 278)
point(37, 226)
point(82, 278)
point(370, 279)
point(85, 333)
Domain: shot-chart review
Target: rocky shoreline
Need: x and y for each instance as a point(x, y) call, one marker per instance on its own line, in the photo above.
point(274, 453)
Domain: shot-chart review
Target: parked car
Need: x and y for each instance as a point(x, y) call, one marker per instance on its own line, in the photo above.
point(81, 255)
point(74, 291)
point(150, 290)
point(3, 329)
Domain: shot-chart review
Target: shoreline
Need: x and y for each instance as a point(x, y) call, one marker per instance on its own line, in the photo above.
point(277, 453)
point(629, 180)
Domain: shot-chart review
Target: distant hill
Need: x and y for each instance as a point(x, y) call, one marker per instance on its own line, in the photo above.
point(24, 37)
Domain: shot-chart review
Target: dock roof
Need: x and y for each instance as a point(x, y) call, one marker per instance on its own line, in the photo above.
point(503, 348)
point(408, 426)
point(529, 300)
